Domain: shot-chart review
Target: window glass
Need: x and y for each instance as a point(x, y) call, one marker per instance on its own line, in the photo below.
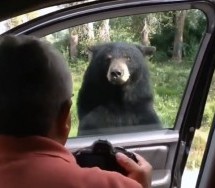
point(197, 150)
point(137, 69)
point(18, 20)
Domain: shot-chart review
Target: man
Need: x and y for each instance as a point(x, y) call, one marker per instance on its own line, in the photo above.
point(35, 101)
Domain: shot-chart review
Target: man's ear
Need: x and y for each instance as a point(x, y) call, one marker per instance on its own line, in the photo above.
point(64, 119)
point(146, 50)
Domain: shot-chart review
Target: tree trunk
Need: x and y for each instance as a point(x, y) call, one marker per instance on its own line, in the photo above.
point(145, 34)
point(104, 32)
point(90, 33)
point(73, 43)
point(91, 37)
point(178, 41)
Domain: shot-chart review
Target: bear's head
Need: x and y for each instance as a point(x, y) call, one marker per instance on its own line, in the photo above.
point(122, 62)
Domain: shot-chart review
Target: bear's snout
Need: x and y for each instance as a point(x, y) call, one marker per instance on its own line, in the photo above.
point(118, 72)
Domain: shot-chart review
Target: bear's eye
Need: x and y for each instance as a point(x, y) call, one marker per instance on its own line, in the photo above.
point(127, 58)
point(109, 56)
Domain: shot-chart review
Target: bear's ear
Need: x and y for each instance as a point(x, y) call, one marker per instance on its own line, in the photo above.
point(146, 50)
point(91, 50)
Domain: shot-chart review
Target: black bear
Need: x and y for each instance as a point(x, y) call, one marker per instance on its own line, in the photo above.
point(116, 90)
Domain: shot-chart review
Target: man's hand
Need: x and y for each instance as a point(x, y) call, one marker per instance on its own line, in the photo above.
point(141, 171)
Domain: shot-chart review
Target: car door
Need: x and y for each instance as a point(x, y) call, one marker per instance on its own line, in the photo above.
point(166, 149)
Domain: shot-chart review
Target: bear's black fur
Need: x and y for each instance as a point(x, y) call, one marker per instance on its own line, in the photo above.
point(116, 89)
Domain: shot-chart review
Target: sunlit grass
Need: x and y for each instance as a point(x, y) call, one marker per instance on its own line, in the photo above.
point(169, 81)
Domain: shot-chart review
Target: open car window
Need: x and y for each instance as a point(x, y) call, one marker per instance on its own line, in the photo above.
point(176, 36)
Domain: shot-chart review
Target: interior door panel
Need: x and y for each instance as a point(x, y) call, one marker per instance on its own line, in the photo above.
point(156, 147)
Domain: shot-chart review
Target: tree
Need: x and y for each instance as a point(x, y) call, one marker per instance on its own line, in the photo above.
point(145, 34)
point(91, 37)
point(179, 31)
point(104, 31)
point(73, 43)
point(90, 32)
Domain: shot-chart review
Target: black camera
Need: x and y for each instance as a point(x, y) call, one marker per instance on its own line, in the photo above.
point(102, 154)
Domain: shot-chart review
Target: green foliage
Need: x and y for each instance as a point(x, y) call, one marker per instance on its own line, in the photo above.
point(63, 45)
point(137, 23)
point(195, 26)
point(77, 77)
point(160, 57)
point(121, 29)
point(161, 27)
point(164, 36)
point(169, 81)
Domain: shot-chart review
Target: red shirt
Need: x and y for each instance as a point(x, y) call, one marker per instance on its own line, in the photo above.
point(38, 162)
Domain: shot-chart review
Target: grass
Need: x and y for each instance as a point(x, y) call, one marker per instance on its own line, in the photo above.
point(77, 70)
point(169, 81)
point(197, 148)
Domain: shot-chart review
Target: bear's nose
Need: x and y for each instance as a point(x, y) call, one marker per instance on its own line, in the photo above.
point(116, 73)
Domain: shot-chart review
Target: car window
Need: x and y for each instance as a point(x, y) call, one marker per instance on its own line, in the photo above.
point(197, 150)
point(166, 44)
point(19, 20)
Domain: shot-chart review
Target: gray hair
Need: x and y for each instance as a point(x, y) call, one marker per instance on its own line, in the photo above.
point(34, 82)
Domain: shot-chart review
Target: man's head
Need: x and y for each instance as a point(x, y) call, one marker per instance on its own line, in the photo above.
point(35, 87)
